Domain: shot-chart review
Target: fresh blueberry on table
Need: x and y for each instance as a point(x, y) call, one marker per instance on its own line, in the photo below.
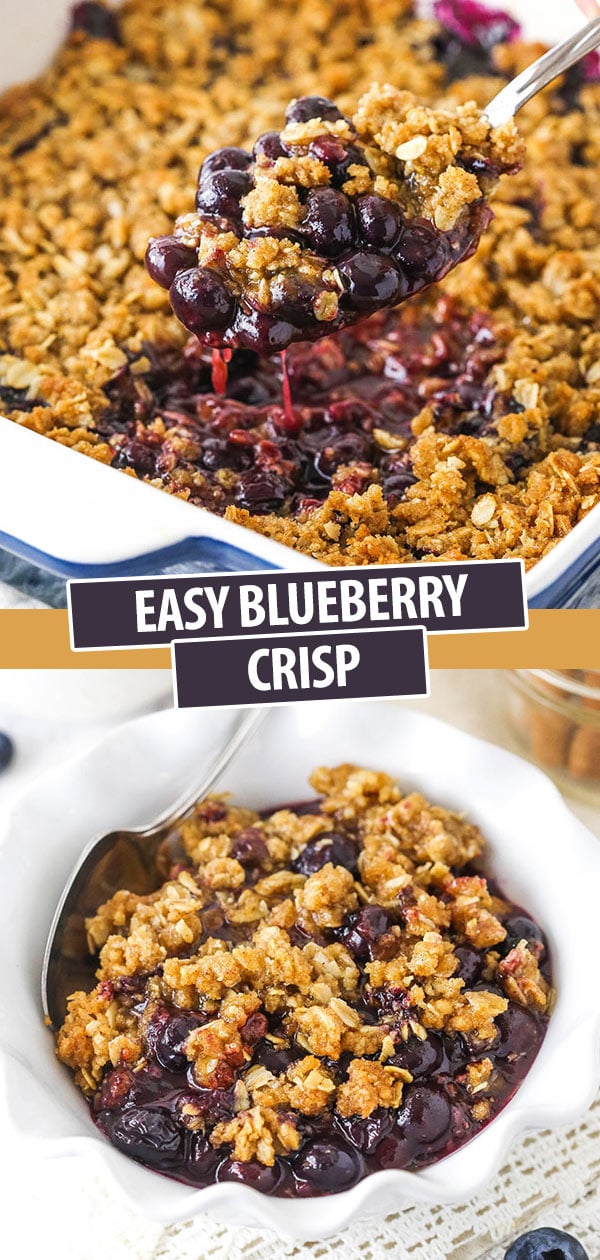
point(546, 1244)
point(7, 750)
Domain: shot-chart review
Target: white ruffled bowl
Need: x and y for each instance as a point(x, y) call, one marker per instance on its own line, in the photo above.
point(545, 859)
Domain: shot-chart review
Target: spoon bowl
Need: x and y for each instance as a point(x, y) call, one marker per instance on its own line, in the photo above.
point(119, 859)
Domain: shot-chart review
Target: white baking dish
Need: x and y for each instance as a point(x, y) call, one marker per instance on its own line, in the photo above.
point(139, 768)
point(83, 519)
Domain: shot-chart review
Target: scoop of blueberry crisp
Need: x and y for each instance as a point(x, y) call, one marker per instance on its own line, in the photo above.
point(331, 218)
point(313, 995)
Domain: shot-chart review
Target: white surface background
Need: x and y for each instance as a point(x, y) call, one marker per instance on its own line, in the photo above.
point(61, 1209)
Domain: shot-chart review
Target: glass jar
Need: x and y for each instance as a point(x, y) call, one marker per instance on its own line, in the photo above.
point(555, 715)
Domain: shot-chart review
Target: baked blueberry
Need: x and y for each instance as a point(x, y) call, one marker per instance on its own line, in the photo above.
point(363, 929)
point(251, 1173)
point(96, 20)
point(328, 1165)
point(367, 1133)
point(520, 927)
point(519, 1034)
point(151, 1136)
point(328, 227)
point(166, 1034)
point(306, 107)
point(424, 1119)
point(201, 1159)
point(370, 280)
point(470, 965)
point(263, 333)
point(270, 146)
point(200, 299)
point(342, 448)
point(476, 24)
point(421, 1058)
point(226, 159)
point(165, 257)
point(331, 846)
point(221, 192)
point(261, 490)
point(423, 250)
point(249, 847)
point(379, 220)
point(396, 483)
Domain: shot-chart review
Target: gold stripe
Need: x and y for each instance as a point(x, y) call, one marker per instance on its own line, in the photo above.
point(39, 639)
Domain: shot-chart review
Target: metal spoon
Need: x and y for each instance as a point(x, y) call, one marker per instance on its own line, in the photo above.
point(119, 859)
point(506, 104)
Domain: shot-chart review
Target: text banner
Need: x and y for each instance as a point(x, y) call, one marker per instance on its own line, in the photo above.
point(150, 612)
point(374, 664)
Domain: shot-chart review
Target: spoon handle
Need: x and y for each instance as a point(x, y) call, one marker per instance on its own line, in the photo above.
point(246, 726)
point(504, 106)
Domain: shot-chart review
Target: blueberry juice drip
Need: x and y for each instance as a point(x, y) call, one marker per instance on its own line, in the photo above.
point(286, 391)
point(158, 1115)
point(219, 373)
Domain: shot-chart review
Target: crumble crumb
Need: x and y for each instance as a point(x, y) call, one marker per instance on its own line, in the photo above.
point(370, 1085)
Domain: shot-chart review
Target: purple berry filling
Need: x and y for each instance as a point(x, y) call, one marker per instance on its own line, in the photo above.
point(374, 376)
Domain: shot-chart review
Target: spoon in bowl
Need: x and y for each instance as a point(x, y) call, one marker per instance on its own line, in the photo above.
point(119, 859)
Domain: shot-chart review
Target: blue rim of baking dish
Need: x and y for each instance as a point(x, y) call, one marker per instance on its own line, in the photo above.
point(569, 587)
point(208, 555)
point(205, 555)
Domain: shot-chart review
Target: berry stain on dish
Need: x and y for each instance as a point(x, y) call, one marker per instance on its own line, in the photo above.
point(315, 994)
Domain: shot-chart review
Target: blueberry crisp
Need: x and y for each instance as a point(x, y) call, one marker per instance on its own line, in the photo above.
point(313, 995)
point(461, 422)
point(330, 219)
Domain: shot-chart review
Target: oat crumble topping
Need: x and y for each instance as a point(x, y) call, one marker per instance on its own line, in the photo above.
point(331, 982)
